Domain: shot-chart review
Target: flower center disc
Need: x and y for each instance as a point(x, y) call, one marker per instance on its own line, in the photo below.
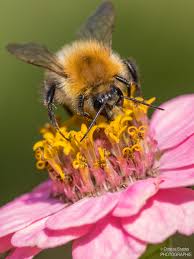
point(113, 155)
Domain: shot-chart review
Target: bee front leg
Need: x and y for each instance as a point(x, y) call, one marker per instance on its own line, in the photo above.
point(49, 99)
point(126, 82)
point(50, 105)
point(134, 76)
point(81, 100)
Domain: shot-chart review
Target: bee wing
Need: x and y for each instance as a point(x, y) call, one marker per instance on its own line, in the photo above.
point(100, 25)
point(37, 55)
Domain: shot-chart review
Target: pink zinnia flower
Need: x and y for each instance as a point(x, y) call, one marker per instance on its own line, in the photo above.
point(120, 189)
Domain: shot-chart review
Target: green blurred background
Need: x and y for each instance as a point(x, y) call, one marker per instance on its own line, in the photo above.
point(159, 35)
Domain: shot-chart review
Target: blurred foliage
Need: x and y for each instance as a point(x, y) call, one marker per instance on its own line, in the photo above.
point(154, 251)
point(159, 35)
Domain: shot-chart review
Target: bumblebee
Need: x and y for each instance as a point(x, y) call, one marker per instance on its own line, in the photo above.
point(87, 77)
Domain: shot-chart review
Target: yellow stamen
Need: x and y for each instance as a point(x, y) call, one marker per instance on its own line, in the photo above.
point(129, 151)
point(103, 155)
point(120, 132)
point(136, 133)
point(80, 161)
point(57, 168)
point(41, 165)
point(133, 89)
point(38, 154)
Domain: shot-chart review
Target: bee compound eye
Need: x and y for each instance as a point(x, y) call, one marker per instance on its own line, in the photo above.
point(113, 89)
point(98, 101)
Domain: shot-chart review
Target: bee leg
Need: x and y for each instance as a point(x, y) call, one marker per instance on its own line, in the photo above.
point(134, 75)
point(126, 82)
point(50, 105)
point(81, 100)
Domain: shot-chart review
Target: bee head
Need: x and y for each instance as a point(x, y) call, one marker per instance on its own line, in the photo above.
point(113, 97)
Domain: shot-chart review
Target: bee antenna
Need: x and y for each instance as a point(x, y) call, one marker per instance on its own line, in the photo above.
point(142, 102)
point(93, 121)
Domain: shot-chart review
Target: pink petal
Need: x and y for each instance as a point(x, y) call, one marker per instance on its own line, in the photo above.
point(43, 187)
point(135, 197)
point(180, 156)
point(186, 226)
point(29, 235)
point(108, 241)
point(168, 211)
point(5, 243)
point(28, 208)
point(83, 212)
point(24, 253)
point(176, 123)
point(37, 235)
point(53, 238)
point(177, 178)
